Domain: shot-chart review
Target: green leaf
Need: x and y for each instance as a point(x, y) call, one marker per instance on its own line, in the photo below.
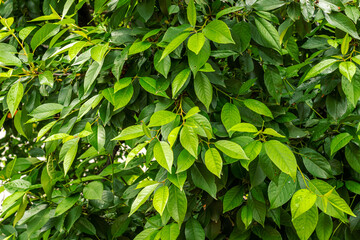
point(197, 61)
point(319, 68)
point(179, 81)
point(170, 232)
point(191, 13)
point(173, 136)
point(177, 179)
point(141, 198)
point(68, 152)
point(243, 127)
point(246, 215)
point(44, 130)
point(339, 141)
point(228, 10)
point(67, 6)
point(194, 230)
point(324, 228)
point(161, 197)
point(174, 44)
point(161, 118)
point(272, 132)
point(97, 138)
point(122, 83)
point(353, 186)
point(138, 47)
point(352, 155)
point(203, 89)
point(347, 69)
point(177, 204)
point(14, 96)
point(91, 75)
point(301, 202)
point(217, 31)
point(57, 136)
point(119, 99)
point(282, 157)
point(8, 59)
point(305, 224)
point(44, 33)
point(130, 133)
point(345, 44)
point(268, 33)
point(233, 198)
point(231, 149)
point(98, 52)
point(162, 66)
point(164, 155)
point(132, 154)
point(93, 190)
point(66, 204)
point(230, 116)
point(203, 179)
point(274, 83)
point(46, 110)
point(196, 42)
point(258, 107)
point(342, 22)
point(328, 197)
point(184, 161)
point(213, 161)
point(189, 140)
point(192, 112)
point(280, 193)
point(46, 78)
point(315, 163)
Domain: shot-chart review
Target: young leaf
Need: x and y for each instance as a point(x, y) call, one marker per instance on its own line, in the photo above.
point(179, 81)
point(164, 155)
point(161, 118)
point(184, 161)
point(301, 202)
point(191, 13)
point(14, 97)
point(319, 68)
point(189, 140)
point(161, 197)
point(243, 127)
point(347, 69)
point(174, 44)
point(68, 152)
point(282, 157)
point(141, 198)
point(217, 31)
point(196, 42)
point(213, 161)
point(258, 107)
point(130, 133)
point(231, 149)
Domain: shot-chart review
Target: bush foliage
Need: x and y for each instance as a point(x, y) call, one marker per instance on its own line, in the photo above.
point(171, 119)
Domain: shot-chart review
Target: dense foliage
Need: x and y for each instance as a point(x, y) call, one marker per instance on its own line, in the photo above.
point(171, 119)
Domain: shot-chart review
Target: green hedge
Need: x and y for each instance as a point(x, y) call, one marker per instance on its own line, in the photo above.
point(171, 119)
